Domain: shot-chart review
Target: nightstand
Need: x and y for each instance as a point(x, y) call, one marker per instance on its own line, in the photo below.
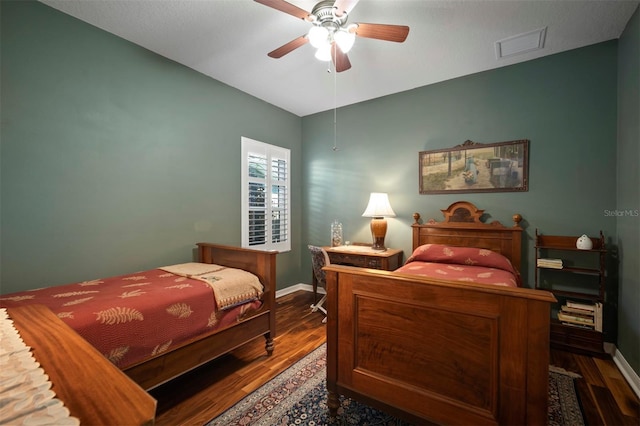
point(362, 256)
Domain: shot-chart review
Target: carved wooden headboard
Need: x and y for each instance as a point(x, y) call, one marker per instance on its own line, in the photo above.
point(462, 227)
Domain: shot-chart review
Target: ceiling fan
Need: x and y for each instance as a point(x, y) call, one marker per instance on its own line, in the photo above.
point(330, 34)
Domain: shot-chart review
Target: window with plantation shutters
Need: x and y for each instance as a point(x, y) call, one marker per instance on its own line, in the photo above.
point(265, 196)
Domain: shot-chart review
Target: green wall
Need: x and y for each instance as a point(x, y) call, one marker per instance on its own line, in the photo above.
point(629, 191)
point(115, 159)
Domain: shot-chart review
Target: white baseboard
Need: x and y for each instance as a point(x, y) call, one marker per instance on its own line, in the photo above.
point(293, 289)
point(296, 287)
point(627, 372)
point(631, 376)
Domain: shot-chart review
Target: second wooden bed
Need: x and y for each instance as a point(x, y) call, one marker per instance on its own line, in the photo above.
point(157, 324)
point(261, 323)
point(437, 351)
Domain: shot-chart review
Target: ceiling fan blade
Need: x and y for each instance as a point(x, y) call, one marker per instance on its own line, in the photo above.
point(285, 7)
point(288, 47)
point(344, 6)
point(397, 33)
point(340, 59)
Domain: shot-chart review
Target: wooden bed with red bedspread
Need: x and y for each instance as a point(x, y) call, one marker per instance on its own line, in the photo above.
point(440, 351)
point(159, 350)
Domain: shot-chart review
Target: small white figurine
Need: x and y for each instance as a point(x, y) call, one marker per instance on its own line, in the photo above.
point(584, 243)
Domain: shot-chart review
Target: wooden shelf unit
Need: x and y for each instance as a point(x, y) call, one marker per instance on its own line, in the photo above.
point(582, 279)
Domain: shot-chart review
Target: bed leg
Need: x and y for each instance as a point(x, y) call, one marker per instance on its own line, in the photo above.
point(333, 403)
point(269, 344)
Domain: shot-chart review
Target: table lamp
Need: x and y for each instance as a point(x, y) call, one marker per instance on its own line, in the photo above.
point(377, 209)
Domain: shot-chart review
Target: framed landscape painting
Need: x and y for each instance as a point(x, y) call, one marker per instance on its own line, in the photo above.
point(475, 167)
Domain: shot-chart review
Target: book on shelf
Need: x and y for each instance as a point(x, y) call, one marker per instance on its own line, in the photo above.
point(585, 306)
point(582, 314)
point(570, 310)
point(584, 326)
point(598, 316)
point(577, 315)
point(575, 319)
point(550, 263)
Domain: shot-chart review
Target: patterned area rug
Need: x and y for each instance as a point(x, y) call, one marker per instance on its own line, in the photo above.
point(298, 396)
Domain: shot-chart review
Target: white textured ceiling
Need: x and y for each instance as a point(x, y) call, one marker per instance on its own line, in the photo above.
point(228, 40)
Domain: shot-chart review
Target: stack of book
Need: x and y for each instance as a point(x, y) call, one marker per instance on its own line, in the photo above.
point(550, 263)
point(584, 315)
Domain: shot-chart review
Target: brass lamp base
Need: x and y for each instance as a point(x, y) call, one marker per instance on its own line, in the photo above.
point(378, 232)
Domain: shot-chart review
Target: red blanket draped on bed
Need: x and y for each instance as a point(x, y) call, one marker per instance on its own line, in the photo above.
point(131, 318)
point(461, 264)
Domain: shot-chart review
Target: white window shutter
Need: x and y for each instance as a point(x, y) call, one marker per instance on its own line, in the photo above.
point(266, 209)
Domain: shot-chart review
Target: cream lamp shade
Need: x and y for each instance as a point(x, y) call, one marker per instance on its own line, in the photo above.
point(377, 209)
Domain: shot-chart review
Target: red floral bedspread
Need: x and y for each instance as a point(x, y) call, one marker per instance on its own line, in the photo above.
point(461, 264)
point(131, 318)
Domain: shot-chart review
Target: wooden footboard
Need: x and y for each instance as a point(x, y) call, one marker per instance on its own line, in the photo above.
point(437, 351)
point(163, 368)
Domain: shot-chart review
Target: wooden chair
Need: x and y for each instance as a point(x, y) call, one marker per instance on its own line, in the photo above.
point(319, 258)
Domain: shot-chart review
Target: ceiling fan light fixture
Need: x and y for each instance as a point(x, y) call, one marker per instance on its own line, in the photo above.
point(318, 36)
point(324, 53)
point(330, 34)
point(345, 39)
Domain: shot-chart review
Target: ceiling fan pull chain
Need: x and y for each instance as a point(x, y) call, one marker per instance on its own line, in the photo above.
point(335, 105)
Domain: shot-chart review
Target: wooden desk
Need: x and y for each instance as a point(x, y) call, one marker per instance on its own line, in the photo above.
point(90, 386)
point(362, 256)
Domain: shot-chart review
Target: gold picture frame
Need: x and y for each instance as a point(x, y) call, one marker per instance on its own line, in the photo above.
point(475, 167)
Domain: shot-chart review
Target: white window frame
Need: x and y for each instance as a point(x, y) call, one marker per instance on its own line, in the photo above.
point(281, 241)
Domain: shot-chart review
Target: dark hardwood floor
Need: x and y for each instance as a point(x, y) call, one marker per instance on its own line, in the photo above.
point(201, 395)
point(605, 395)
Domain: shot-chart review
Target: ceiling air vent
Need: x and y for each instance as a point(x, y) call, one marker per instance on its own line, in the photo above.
point(521, 43)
